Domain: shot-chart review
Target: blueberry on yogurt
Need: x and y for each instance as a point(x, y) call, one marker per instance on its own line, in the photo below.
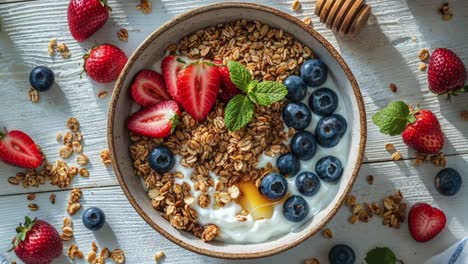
point(323, 102)
point(307, 183)
point(297, 115)
point(329, 168)
point(304, 145)
point(288, 164)
point(274, 186)
point(297, 89)
point(329, 130)
point(314, 72)
point(161, 159)
point(295, 208)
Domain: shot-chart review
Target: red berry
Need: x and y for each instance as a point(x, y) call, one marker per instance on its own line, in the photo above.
point(446, 71)
point(170, 67)
point(155, 121)
point(37, 242)
point(425, 222)
point(425, 134)
point(227, 89)
point(197, 88)
point(18, 149)
point(148, 88)
point(104, 63)
point(86, 16)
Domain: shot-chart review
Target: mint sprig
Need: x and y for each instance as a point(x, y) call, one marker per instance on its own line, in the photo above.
point(381, 256)
point(392, 120)
point(240, 109)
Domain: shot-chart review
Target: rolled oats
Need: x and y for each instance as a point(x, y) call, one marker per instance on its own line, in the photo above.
point(52, 46)
point(105, 157)
point(422, 66)
point(94, 246)
point(73, 201)
point(65, 152)
point(144, 6)
point(311, 261)
point(74, 252)
point(13, 181)
point(52, 198)
point(73, 124)
point(370, 179)
point(296, 5)
point(31, 197)
point(159, 256)
point(33, 95)
point(67, 233)
point(33, 207)
point(307, 20)
point(77, 147)
point(91, 256)
point(122, 34)
point(84, 172)
point(58, 137)
point(393, 87)
point(327, 233)
point(210, 232)
point(423, 54)
point(446, 11)
point(82, 159)
point(63, 50)
point(396, 155)
point(102, 94)
point(105, 253)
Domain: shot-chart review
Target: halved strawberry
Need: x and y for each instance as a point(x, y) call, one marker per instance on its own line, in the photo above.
point(148, 88)
point(169, 68)
point(425, 222)
point(228, 88)
point(18, 149)
point(197, 88)
point(155, 121)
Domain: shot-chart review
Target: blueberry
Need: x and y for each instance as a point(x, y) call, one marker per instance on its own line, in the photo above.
point(288, 164)
point(329, 130)
point(161, 159)
point(295, 208)
point(329, 169)
point(297, 115)
point(94, 218)
point(41, 78)
point(297, 89)
point(314, 72)
point(323, 102)
point(274, 186)
point(303, 145)
point(341, 254)
point(307, 183)
point(448, 182)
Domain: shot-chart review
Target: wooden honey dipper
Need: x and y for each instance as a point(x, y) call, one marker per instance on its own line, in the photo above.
point(345, 17)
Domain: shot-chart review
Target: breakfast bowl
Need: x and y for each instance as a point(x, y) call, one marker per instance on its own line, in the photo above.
point(147, 194)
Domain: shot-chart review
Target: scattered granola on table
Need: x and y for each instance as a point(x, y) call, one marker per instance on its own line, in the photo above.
point(33, 95)
point(67, 230)
point(33, 207)
point(144, 6)
point(118, 256)
point(311, 261)
point(159, 256)
point(327, 233)
point(73, 201)
point(74, 252)
point(423, 54)
point(446, 11)
point(422, 66)
point(122, 34)
point(63, 50)
point(370, 179)
point(296, 5)
point(105, 157)
point(31, 197)
point(52, 198)
point(102, 94)
point(393, 87)
point(52, 46)
point(464, 115)
point(307, 20)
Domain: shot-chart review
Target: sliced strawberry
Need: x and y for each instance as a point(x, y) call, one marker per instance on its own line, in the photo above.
point(18, 149)
point(198, 87)
point(425, 222)
point(228, 89)
point(155, 121)
point(169, 68)
point(148, 88)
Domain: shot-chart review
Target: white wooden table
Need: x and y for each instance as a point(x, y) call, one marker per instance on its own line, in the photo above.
point(386, 52)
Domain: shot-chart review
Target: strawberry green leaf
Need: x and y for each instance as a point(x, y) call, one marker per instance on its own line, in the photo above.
point(269, 92)
point(239, 74)
point(239, 111)
point(393, 119)
point(175, 121)
point(381, 256)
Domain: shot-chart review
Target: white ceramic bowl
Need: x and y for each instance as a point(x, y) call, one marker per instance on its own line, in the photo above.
point(153, 49)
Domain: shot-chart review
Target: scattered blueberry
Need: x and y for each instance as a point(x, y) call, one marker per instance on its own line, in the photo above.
point(448, 182)
point(161, 159)
point(295, 208)
point(297, 89)
point(303, 145)
point(288, 164)
point(3, 260)
point(274, 186)
point(307, 183)
point(329, 169)
point(323, 102)
point(341, 254)
point(314, 72)
point(329, 130)
point(297, 115)
point(94, 218)
point(41, 78)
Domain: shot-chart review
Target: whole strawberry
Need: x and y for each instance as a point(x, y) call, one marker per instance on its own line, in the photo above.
point(37, 242)
point(18, 149)
point(85, 17)
point(104, 63)
point(446, 73)
point(419, 129)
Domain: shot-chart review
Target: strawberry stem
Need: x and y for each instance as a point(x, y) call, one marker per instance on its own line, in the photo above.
point(22, 231)
point(104, 4)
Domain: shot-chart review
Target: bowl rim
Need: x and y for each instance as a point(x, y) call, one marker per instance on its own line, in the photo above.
point(333, 52)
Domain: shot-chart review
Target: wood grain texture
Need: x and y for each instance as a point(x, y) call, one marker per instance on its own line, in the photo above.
point(384, 53)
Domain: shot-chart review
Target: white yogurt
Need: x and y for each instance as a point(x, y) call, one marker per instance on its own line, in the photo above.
point(256, 231)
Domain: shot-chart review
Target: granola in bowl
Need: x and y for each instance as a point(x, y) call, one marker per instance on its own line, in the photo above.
point(209, 175)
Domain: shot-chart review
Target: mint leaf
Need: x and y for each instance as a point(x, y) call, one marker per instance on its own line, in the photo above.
point(239, 74)
point(392, 119)
point(269, 92)
point(381, 256)
point(239, 111)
